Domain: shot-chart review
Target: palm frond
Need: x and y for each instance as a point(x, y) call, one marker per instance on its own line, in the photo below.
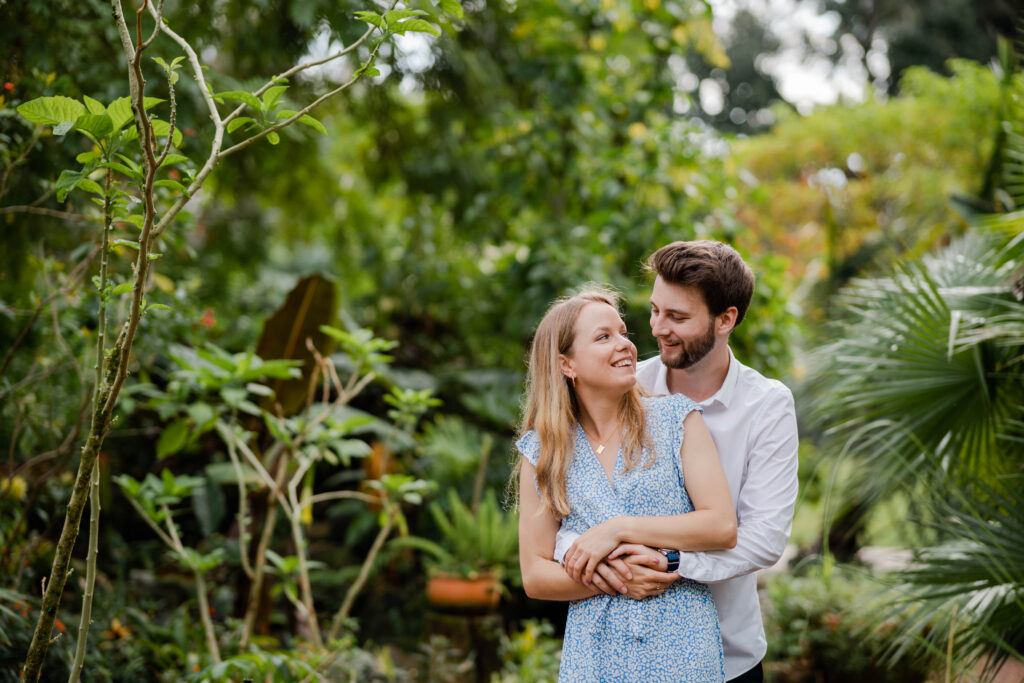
point(972, 584)
point(917, 371)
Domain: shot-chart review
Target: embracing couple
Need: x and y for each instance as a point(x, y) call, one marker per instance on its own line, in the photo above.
point(650, 494)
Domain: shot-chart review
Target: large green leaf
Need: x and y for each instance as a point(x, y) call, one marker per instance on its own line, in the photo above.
point(172, 439)
point(240, 96)
point(309, 305)
point(67, 181)
point(120, 110)
point(52, 110)
point(97, 125)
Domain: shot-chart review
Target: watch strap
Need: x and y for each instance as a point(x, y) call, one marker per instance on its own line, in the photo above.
point(673, 559)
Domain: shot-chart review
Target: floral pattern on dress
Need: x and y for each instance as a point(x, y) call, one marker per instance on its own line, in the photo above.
point(669, 637)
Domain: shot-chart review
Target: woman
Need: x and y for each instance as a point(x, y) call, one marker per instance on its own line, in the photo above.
point(611, 465)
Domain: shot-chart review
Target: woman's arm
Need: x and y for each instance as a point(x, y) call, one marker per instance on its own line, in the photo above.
point(711, 525)
point(543, 578)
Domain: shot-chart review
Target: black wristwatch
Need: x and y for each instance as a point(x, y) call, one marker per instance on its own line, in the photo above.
point(673, 559)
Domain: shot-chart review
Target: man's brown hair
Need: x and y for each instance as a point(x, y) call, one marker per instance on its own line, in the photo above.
point(714, 269)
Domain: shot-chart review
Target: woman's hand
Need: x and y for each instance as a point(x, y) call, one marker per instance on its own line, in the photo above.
point(591, 548)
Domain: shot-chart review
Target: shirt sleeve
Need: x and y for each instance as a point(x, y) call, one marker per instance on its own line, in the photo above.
point(563, 541)
point(764, 510)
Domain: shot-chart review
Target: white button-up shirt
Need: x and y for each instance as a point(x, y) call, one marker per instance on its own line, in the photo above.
point(752, 421)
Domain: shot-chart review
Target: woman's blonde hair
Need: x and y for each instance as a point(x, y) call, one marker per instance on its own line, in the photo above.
point(552, 408)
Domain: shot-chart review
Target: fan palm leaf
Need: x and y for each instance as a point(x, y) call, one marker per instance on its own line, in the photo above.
point(924, 367)
point(970, 586)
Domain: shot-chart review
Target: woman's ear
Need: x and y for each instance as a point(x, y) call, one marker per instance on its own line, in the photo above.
point(565, 365)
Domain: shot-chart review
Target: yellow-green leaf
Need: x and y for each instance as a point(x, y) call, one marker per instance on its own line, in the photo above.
point(51, 111)
point(94, 106)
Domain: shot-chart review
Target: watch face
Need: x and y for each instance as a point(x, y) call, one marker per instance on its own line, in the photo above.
point(673, 560)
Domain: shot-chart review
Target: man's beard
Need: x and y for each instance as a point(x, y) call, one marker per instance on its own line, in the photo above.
point(690, 353)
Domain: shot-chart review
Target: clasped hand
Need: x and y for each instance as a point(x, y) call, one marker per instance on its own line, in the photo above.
point(635, 571)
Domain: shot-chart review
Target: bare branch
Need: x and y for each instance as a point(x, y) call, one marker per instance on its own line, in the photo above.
point(338, 495)
point(63, 215)
point(152, 525)
point(197, 72)
point(298, 115)
point(243, 533)
point(157, 11)
point(38, 377)
point(364, 572)
point(174, 115)
point(309, 65)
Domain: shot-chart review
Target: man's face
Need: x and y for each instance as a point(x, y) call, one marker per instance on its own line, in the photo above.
point(682, 324)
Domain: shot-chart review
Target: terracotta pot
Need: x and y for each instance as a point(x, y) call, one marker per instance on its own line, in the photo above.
point(448, 590)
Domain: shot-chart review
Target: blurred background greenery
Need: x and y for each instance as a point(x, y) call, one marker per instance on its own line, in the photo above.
point(864, 157)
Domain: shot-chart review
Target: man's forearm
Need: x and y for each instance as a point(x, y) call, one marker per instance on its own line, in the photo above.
point(756, 548)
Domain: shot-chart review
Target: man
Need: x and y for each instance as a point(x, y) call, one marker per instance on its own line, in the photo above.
point(701, 292)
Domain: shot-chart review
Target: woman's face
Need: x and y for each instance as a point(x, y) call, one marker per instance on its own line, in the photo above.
point(602, 357)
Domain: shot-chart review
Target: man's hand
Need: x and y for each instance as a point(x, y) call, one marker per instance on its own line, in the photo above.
point(647, 582)
point(611, 576)
point(633, 570)
point(648, 568)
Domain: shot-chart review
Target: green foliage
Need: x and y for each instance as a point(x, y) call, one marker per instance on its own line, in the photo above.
point(105, 127)
point(971, 585)
point(947, 397)
point(848, 189)
point(165, 490)
point(470, 542)
point(362, 346)
point(818, 624)
point(409, 405)
point(282, 666)
point(208, 384)
point(532, 653)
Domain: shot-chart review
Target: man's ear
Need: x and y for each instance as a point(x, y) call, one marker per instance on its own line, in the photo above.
point(726, 321)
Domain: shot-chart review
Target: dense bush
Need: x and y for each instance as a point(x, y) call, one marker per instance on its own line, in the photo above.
point(819, 629)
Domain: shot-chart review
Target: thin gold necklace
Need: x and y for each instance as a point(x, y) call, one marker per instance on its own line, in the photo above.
point(600, 447)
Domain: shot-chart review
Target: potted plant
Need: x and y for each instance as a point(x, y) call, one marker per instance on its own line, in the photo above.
point(475, 546)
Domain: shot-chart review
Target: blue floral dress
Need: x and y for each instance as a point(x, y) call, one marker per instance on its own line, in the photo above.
point(669, 637)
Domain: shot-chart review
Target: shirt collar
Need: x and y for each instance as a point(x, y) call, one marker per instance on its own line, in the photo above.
point(725, 392)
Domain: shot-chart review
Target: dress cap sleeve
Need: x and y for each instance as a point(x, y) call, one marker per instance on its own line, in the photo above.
point(683, 405)
point(529, 446)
